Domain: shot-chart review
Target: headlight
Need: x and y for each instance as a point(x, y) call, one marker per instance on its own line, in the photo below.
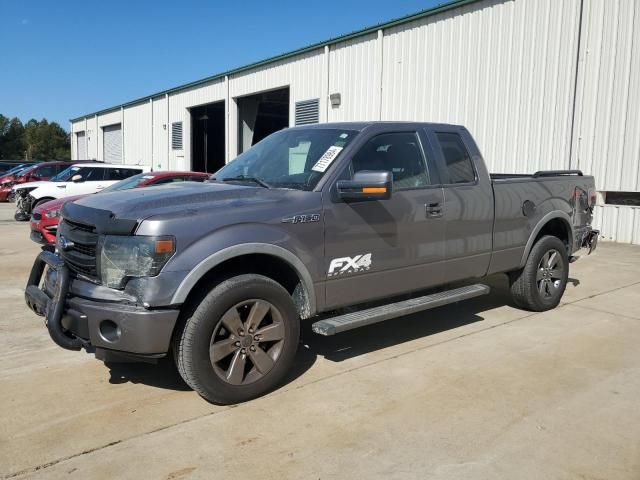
point(134, 256)
point(52, 213)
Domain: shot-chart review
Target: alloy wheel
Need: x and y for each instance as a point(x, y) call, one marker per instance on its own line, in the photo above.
point(550, 274)
point(247, 342)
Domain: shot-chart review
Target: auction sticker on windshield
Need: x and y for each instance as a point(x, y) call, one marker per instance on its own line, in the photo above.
point(325, 160)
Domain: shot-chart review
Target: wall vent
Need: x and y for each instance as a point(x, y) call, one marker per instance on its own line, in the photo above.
point(176, 136)
point(308, 112)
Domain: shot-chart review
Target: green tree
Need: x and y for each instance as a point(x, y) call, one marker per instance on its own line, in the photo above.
point(11, 138)
point(36, 140)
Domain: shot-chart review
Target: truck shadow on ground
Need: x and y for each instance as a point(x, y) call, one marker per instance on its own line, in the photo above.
point(342, 346)
point(400, 330)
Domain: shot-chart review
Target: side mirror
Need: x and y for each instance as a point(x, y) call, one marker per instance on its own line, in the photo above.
point(366, 185)
point(76, 178)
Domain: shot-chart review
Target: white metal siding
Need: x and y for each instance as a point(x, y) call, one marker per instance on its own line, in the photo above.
point(92, 137)
point(81, 145)
point(504, 69)
point(112, 143)
point(137, 130)
point(607, 139)
point(354, 72)
point(160, 135)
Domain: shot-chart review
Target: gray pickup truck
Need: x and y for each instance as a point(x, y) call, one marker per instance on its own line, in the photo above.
point(371, 216)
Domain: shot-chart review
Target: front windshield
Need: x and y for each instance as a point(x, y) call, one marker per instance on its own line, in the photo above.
point(127, 183)
point(294, 158)
point(66, 174)
point(26, 170)
point(17, 169)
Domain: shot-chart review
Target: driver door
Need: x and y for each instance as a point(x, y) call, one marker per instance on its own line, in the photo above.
point(92, 178)
point(381, 248)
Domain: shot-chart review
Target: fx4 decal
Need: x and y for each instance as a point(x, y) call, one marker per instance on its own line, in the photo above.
point(343, 265)
point(314, 217)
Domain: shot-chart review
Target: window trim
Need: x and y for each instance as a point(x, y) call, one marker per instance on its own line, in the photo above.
point(421, 150)
point(432, 133)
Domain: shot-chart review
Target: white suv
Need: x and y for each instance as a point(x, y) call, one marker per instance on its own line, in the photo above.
point(78, 179)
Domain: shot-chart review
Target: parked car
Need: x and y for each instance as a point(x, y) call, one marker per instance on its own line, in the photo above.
point(308, 221)
point(6, 166)
point(77, 179)
point(8, 177)
point(35, 173)
point(45, 217)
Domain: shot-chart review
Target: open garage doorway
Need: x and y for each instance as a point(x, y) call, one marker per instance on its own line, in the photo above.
point(208, 138)
point(260, 115)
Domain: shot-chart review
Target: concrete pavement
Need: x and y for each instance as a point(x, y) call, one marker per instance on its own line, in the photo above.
point(474, 390)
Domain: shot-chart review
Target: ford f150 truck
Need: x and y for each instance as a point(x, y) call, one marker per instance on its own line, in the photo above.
point(312, 219)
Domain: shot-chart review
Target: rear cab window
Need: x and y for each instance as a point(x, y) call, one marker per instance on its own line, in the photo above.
point(457, 160)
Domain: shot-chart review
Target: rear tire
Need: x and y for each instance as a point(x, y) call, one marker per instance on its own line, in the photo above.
point(539, 286)
point(239, 341)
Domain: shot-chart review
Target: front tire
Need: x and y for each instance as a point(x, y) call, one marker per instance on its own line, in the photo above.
point(539, 286)
point(240, 341)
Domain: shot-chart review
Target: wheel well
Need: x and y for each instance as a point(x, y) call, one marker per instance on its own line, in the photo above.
point(262, 264)
point(43, 200)
point(556, 227)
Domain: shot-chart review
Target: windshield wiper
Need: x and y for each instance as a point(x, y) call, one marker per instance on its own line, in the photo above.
point(243, 178)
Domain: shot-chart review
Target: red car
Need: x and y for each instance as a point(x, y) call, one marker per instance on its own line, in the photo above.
point(45, 218)
point(36, 173)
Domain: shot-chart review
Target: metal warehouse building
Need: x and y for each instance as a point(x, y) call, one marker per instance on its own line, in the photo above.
point(541, 84)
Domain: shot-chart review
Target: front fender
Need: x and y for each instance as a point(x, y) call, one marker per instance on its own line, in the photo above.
point(234, 251)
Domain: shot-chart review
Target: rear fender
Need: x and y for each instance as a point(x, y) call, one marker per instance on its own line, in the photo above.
point(541, 224)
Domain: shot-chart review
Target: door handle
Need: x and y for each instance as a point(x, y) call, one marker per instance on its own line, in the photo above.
point(433, 210)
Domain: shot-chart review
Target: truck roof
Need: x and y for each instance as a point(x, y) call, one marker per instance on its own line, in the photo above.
point(358, 126)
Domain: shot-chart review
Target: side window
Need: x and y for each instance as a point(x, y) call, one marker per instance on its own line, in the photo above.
point(115, 174)
point(46, 171)
point(90, 174)
point(456, 157)
point(164, 181)
point(398, 153)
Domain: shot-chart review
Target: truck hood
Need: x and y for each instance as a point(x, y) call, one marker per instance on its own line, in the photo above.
point(187, 198)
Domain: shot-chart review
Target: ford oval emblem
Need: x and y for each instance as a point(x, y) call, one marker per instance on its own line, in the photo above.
point(65, 244)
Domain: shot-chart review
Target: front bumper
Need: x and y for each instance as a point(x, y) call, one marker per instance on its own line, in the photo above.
point(4, 194)
point(42, 233)
point(95, 323)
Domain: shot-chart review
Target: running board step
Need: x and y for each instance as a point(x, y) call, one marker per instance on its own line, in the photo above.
point(349, 321)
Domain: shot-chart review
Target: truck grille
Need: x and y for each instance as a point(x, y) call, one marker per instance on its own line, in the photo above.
point(81, 256)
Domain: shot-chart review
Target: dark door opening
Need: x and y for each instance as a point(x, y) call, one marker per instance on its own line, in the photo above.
point(260, 115)
point(208, 139)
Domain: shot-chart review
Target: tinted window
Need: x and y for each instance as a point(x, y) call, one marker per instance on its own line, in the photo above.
point(46, 171)
point(91, 174)
point(456, 157)
point(398, 153)
point(120, 173)
point(165, 180)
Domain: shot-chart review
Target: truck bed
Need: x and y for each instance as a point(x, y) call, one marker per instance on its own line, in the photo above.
point(539, 174)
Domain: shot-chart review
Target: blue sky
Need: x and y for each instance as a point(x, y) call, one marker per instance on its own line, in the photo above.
point(61, 59)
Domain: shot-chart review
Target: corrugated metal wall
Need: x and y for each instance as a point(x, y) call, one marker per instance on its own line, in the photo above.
point(506, 71)
point(354, 72)
point(541, 84)
point(137, 132)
